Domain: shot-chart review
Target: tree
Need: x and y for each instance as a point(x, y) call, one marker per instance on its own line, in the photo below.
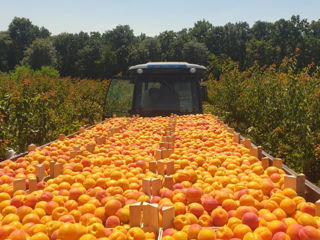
point(5, 46)
point(200, 30)
point(148, 50)
point(195, 52)
point(40, 53)
point(23, 33)
point(107, 65)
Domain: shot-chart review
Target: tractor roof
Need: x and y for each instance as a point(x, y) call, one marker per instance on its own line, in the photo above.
point(166, 65)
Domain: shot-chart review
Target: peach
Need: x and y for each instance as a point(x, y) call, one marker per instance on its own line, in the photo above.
point(180, 221)
point(277, 226)
point(193, 231)
point(97, 230)
point(224, 233)
point(112, 206)
point(206, 234)
point(74, 193)
point(180, 208)
point(135, 233)
point(30, 200)
point(306, 219)
point(112, 221)
point(251, 236)
point(192, 218)
point(293, 231)
point(50, 206)
point(209, 204)
point(240, 230)
point(169, 232)
point(264, 233)
point(281, 236)
point(196, 209)
point(288, 205)
point(39, 236)
point(194, 195)
point(204, 220)
point(179, 235)
point(250, 219)
point(219, 217)
point(309, 233)
point(18, 235)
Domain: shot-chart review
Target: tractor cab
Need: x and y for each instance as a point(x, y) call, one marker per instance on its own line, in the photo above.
point(158, 89)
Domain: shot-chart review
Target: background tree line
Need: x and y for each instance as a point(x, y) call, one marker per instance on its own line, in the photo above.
point(96, 55)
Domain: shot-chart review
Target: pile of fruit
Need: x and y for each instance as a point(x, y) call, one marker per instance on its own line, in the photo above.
point(219, 190)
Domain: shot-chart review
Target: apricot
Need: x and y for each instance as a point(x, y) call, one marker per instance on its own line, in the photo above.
point(250, 219)
point(264, 233)
point(193, 231)
point(180, 221)
point(180, 235)
point(112, 206)
point(224, 233)
point(240, 231)
point(206, 234)
point(136, 233)
point(306, 219)
point(196, 209)
point(288, 205)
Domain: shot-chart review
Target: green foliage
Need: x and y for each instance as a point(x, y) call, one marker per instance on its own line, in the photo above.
point(35, 106)
point(277, 108)
point(40, 53)
point(195, 52)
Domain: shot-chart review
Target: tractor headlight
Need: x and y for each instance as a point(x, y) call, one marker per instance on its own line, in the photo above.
point(192, 70)
point(139, 71)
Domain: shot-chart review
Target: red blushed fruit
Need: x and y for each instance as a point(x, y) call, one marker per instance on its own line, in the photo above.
point(155, 199)
point(17, 201)
point(309, 233)
point(30, 200)
point(178, 186)
point(54, 235)
point(85, 162)
point(108, 232)
point(250, 219)
point(168, 232)
point(209, 204)
point(74, 194)
point(241, 193)
point(41, 185)
point(141, 164)
point(100, 194)
point(67, 218)
point(167, 194)
point(194, 195)
point(46, 196)
point(112, 222)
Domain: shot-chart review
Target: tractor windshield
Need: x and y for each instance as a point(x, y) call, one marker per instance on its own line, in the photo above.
point(166, 93)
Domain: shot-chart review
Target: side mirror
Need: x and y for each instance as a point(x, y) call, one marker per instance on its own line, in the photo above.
point(203, 93)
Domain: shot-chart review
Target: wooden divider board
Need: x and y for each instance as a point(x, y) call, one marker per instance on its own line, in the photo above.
point(33, 185)
point(318, 208)
point(265, 162)
point(301, 184)
point(277, 162)
point(158, 154)
point(146, 186)
point(153, 166)
point(161, 167)
point(40, 172)
point(32, 147)
point(170, 168)
point(57, 169)
point(236, 138)
point(135, 214)
point(151, 221)
point(90, 147)
point(156, 186)
point(168, 182)
point(62, 137)
point(246, 143)
point(168, 214)
point(19, 184)
point(52, 163)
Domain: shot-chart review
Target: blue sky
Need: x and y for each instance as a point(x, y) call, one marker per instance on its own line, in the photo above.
point(149, 16)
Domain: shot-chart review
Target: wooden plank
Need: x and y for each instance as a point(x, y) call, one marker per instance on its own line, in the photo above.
point(153, 166)
point(236, 138)
point(168, 182)
point(168, 214)
point(231, 130)
point(33, 185)
point(170, 168)
point(62, 137)
point(40, 172)
point(32, 148)
point(301, 185)
point(52, 163)
point(19, 184)
point(246, 143)
point(57, 169)
point(290, 182)
point(146, 186)
point(265, 162)
point(165, 153)
point(81, 130)
point(158, 154)
point(151, 218)
point(277, 162)
point(318, 208)
point(135, 214)
point(90, 147)
point(156, 186)
point(161, 167)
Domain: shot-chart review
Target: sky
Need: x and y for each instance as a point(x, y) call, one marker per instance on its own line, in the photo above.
point(149, 16)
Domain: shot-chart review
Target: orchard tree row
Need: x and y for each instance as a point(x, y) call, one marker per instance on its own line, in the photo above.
point(97, 55)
